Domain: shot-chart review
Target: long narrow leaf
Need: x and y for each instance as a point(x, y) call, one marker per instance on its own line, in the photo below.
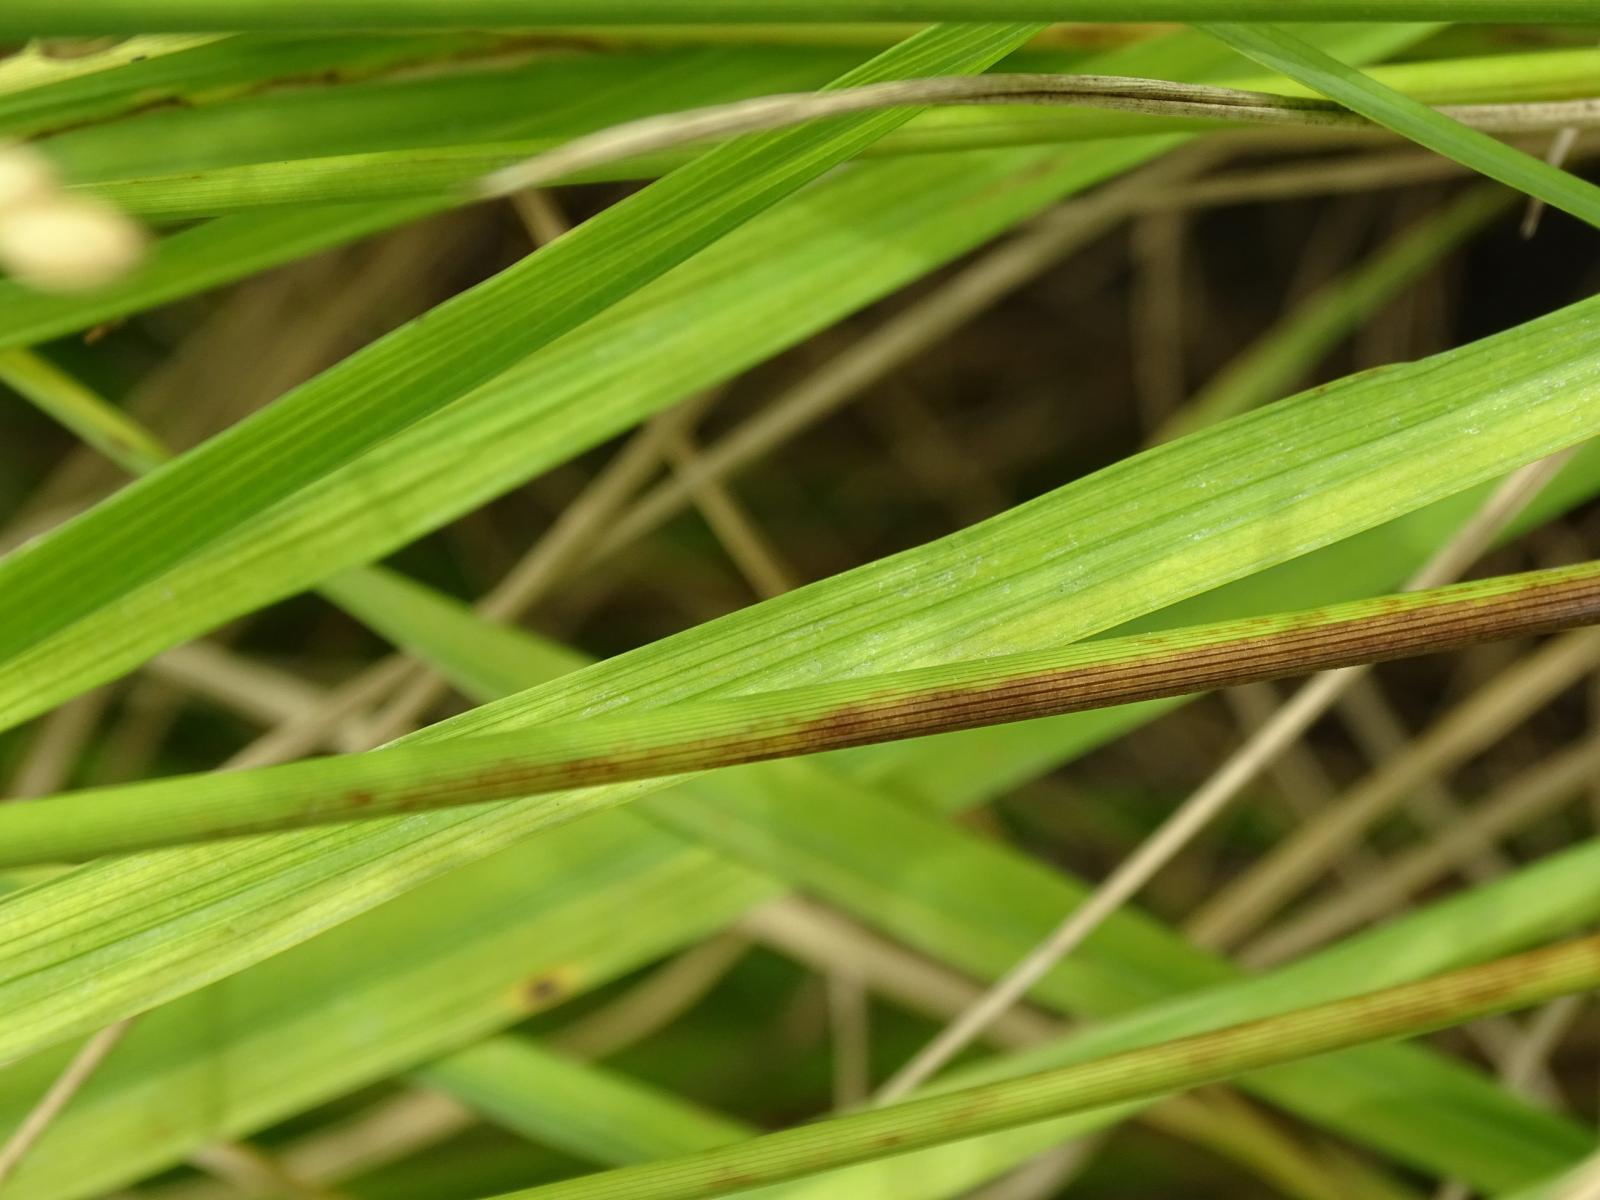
point(698, 736)
point(613, 1120)
point(113, 16)
point(315, 169)
point(471, 960)
point(1407, 1010)
point(284, 1052)
point(1280, 50)
point(39, 93)
point(845, 242)
point(205, 256)
point(423, 366)
point(1256, 492)
point(556, 98)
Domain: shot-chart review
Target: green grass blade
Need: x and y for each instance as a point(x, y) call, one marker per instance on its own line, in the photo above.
point(802, 833)
point(1407, 1010)
point(587, 1111)
point(39, 94)
point(206, 256)
point(330, 1015)
point(25, 17)
point(123, 441)
point(1263, 488)
point(551, 97)
point(1280, 50)
point(1285, 355)
point(929, 883)
point(555, 95)
point(841, 245)
point(845, 242)
point(608, 1118)
point(423, 366)
point(284, 1052)
point(250, 171)
point(562, 98)
point(963, 766)
point(699, 736)
point(199, 908)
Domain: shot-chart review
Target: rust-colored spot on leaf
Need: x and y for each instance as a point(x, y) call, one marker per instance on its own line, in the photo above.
point(547, 989)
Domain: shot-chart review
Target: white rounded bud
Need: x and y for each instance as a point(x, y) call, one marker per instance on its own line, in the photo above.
point(68, 243)
point(26, 176)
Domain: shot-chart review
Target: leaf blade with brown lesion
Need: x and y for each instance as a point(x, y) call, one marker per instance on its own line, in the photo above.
point(701, 735)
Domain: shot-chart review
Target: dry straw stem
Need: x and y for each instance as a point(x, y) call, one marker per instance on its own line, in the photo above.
point(58, 745)
point(546, 563)
point(1382, 736)
point(653, 1003)
point(698, 735)
point(1236, 910)
point(1405, 1011)
point(244, 1168)
point(61, 1092)
point(387, 1131)
point(1560, 147)
point(1525, 798)
point(1219, 790)
point(826, 941)
point(900, 338)
point(1004, 269)
point(1045, 1175)
point(248, 687)
point(1522, 1066)
point(1149, 97)
point(1524, 1063)
point(1582, 1184)
point(592, 529)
